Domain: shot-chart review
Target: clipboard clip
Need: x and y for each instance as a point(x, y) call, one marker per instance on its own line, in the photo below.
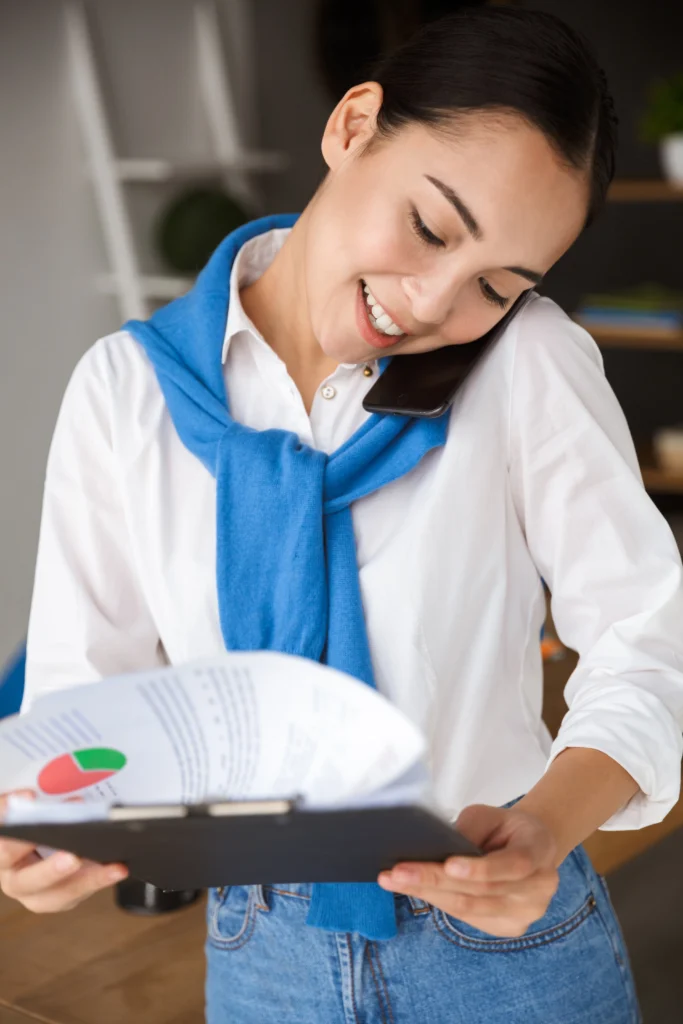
point(215, 809)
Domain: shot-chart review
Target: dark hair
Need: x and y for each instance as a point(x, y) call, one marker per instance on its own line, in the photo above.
point(505, 59)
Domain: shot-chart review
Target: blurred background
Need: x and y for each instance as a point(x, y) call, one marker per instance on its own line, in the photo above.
point(133, 135)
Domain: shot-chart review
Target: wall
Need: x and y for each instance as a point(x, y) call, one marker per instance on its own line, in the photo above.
point(50, 243)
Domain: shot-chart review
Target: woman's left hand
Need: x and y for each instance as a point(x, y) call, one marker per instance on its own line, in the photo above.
point(501, 893)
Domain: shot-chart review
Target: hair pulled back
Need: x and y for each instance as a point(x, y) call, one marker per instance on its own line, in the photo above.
point(506, 60)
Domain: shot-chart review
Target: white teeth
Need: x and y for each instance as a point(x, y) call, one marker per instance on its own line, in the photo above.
point(381, 320)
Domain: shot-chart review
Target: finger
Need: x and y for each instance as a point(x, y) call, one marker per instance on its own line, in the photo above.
point(25, 794)
point(434, 876)
point(480, 822)
point(28, 880)
point(510, 864)
point(89, 879)
point(499, 916)
point(13, 851)
point(466, 907)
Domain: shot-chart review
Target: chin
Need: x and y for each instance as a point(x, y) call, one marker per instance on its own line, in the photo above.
point(345, 352)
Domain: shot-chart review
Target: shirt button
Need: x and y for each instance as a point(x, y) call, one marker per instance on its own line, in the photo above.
point(328, 391)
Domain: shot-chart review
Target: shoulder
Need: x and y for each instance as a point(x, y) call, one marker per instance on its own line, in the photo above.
point(113, 392)
point(115, 371)
point(114, 363)
point(543, 335)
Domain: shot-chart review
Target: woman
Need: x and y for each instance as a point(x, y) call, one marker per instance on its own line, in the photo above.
point(457, 178)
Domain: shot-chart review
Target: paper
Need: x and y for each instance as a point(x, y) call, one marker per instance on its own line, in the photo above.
point(256, 725)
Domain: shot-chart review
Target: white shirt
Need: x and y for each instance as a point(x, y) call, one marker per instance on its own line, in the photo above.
point(538, 478)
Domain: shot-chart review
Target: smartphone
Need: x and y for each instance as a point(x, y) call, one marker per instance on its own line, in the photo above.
point(427, 383)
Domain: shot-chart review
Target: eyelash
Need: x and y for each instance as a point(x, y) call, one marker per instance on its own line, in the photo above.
point(428, 237)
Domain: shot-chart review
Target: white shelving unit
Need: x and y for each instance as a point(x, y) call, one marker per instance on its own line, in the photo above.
point(111, 176)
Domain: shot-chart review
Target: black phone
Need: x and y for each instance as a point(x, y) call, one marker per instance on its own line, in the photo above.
point(426, 384)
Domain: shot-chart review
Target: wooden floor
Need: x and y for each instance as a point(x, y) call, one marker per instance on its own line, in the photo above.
point(99, 965)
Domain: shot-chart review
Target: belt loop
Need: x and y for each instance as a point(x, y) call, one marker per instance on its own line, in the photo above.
point(418, 906)
point(260, 898)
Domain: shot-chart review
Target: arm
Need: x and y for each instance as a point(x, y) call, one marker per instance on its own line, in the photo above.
point(614, 572)
point(89, 618)
point(615, 576)
point(568, 801)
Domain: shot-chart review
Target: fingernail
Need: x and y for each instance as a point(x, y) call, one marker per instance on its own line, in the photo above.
point(405, 875)
point(457, 868)
point(66, 862)
point(117, 874)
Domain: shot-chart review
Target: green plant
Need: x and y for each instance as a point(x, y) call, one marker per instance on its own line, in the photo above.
point(663, 114)
point(190, 227)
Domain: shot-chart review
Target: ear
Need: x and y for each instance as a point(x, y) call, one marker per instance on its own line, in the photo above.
point(352, 123)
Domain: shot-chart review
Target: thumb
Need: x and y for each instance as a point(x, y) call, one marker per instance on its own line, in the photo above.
point(480, 823)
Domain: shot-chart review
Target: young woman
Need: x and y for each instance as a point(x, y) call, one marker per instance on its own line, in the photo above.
point(219, 432)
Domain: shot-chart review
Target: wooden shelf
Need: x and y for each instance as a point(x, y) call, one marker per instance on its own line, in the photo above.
point(644, 190)
point(661, 481)
point(154, 286)
point(151, 170)
point(655, 338)
point(656, 479)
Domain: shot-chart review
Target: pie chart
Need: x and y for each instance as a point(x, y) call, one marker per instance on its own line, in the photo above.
point(80, 769)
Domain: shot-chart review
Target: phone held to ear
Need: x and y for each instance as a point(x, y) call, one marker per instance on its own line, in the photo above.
point(427, 383)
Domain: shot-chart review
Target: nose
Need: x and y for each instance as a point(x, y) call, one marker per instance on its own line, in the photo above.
point(431, 297)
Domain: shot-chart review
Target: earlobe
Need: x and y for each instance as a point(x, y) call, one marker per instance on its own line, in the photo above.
point(352, 123)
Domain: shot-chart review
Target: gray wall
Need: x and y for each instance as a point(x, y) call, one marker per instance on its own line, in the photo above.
point(50, 241)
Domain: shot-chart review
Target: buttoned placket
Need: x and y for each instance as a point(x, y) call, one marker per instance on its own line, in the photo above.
point(330, 400)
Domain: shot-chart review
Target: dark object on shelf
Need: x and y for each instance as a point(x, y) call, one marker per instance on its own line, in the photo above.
point(139, 897)
point(194, 223)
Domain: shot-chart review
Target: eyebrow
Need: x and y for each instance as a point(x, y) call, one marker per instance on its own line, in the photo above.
point(473, 227)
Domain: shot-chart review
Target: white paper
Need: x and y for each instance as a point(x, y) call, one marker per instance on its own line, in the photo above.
point(244, 726)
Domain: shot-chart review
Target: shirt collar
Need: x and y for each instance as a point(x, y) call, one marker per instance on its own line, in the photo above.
point(251, 261)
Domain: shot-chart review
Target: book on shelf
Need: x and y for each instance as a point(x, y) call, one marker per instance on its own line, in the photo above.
point(647, 306)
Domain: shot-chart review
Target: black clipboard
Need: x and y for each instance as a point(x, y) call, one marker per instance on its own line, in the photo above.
point(252, 842)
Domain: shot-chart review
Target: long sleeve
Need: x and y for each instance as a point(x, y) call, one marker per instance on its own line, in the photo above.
point(89, 618)
point(607, 555)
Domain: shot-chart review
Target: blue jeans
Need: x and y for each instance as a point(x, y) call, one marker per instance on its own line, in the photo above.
point(266, 966)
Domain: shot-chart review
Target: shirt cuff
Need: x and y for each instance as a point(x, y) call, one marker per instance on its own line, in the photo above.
point(659, 780)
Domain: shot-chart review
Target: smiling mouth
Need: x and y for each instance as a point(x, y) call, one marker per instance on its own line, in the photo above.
point(379, 319)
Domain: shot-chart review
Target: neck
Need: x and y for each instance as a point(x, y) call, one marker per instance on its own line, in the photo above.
point(277, 305)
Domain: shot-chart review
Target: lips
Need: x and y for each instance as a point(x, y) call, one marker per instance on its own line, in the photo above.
point(366, 329)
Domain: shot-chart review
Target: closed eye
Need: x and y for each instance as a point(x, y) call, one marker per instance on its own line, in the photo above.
point(492, 296)
point(423, 232)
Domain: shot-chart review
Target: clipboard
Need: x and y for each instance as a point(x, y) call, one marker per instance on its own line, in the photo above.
point(252, 842)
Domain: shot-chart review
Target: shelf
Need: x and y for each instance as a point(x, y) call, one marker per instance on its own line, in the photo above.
point(644, 190)
point(656, 479)
point(154, 171)
point(661, 481)
point(153, 286)
point(653, 338)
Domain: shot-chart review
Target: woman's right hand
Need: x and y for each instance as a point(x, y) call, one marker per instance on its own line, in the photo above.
point(48, 885)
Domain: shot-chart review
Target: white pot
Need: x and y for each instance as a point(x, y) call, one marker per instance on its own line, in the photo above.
point(671, 156)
